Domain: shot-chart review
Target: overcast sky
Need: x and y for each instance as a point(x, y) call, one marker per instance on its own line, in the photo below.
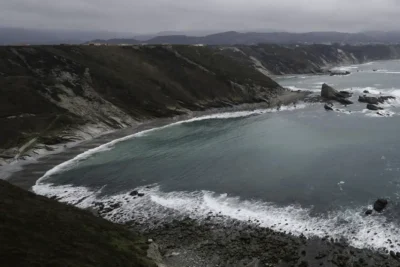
point(148, 16)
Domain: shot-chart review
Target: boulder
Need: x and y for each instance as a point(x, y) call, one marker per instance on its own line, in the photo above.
point(99, 206)
point(344, 101)
point(373, 107)
point(134, 193)
point(368, 212)
point(380, 205)
point(368, 99)
point(346, 94)
point(382, 99)
point(374, 100)
point(328, 107)
point(339, 73)
point(329, 93)
point(115, 205)
point(366, 92)
point(140, 195)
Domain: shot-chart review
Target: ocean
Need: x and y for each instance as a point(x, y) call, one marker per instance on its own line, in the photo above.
point(301, 169)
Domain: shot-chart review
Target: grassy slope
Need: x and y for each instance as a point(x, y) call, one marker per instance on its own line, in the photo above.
point(36, 231)
point(144, 82)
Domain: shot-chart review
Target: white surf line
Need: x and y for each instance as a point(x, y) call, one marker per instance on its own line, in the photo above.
point(108, 146)
point(155, 205)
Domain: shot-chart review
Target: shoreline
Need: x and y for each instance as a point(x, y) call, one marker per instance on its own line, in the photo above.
point(217, 242)
point(25, 173)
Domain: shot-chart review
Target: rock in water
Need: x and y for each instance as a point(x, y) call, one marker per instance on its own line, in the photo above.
point(382, 99)
point(374, 100)
point(134, 193)
point(346, 94)
point(328, 107)
point(373, 107)
point(368, 99)
point(366, 92)
point(339, 73)
point(380, 205)
point(368, 212)
point(329, 93)
point(344, 101)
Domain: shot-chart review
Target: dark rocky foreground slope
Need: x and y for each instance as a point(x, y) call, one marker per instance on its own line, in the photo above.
point(51, 95)
point(36, 231)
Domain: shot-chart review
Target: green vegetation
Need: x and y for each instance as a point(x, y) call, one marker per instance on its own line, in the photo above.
point(48, 93)
point(36, 231)
point(95, 85)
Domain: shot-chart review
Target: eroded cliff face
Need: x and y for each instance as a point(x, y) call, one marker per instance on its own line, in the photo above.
point(55, 94)
point(304, 59)
point(50, 95)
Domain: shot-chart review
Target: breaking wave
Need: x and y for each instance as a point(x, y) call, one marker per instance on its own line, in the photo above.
point(155, 206)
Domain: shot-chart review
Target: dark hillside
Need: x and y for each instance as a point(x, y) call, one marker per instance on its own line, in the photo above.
point(36, 231)
point(49, 93)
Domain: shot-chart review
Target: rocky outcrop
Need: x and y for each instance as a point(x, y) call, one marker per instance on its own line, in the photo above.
point(373, 107)
point(382, 99)
point(329, 93)
point(374, 100)
point(339, 73)
point(346, 94)
point(368, 212)
point(380, 205)
point(328, 107)
point(368, 99)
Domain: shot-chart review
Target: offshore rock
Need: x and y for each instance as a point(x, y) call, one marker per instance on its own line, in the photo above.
point(373, 107)
point(329, 93)
point(380, 205)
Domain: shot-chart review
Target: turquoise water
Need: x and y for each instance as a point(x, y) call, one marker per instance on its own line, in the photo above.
point(317, 171)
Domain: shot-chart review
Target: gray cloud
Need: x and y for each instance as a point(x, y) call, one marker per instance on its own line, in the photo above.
point(144, 16)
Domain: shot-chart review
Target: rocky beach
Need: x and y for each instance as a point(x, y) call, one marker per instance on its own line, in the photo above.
point(212, 203)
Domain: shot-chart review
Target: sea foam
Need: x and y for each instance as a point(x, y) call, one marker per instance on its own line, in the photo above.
point(360, 231)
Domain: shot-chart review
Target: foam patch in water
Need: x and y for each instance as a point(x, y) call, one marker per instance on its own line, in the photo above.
point(380, 113)
point(361, 231)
